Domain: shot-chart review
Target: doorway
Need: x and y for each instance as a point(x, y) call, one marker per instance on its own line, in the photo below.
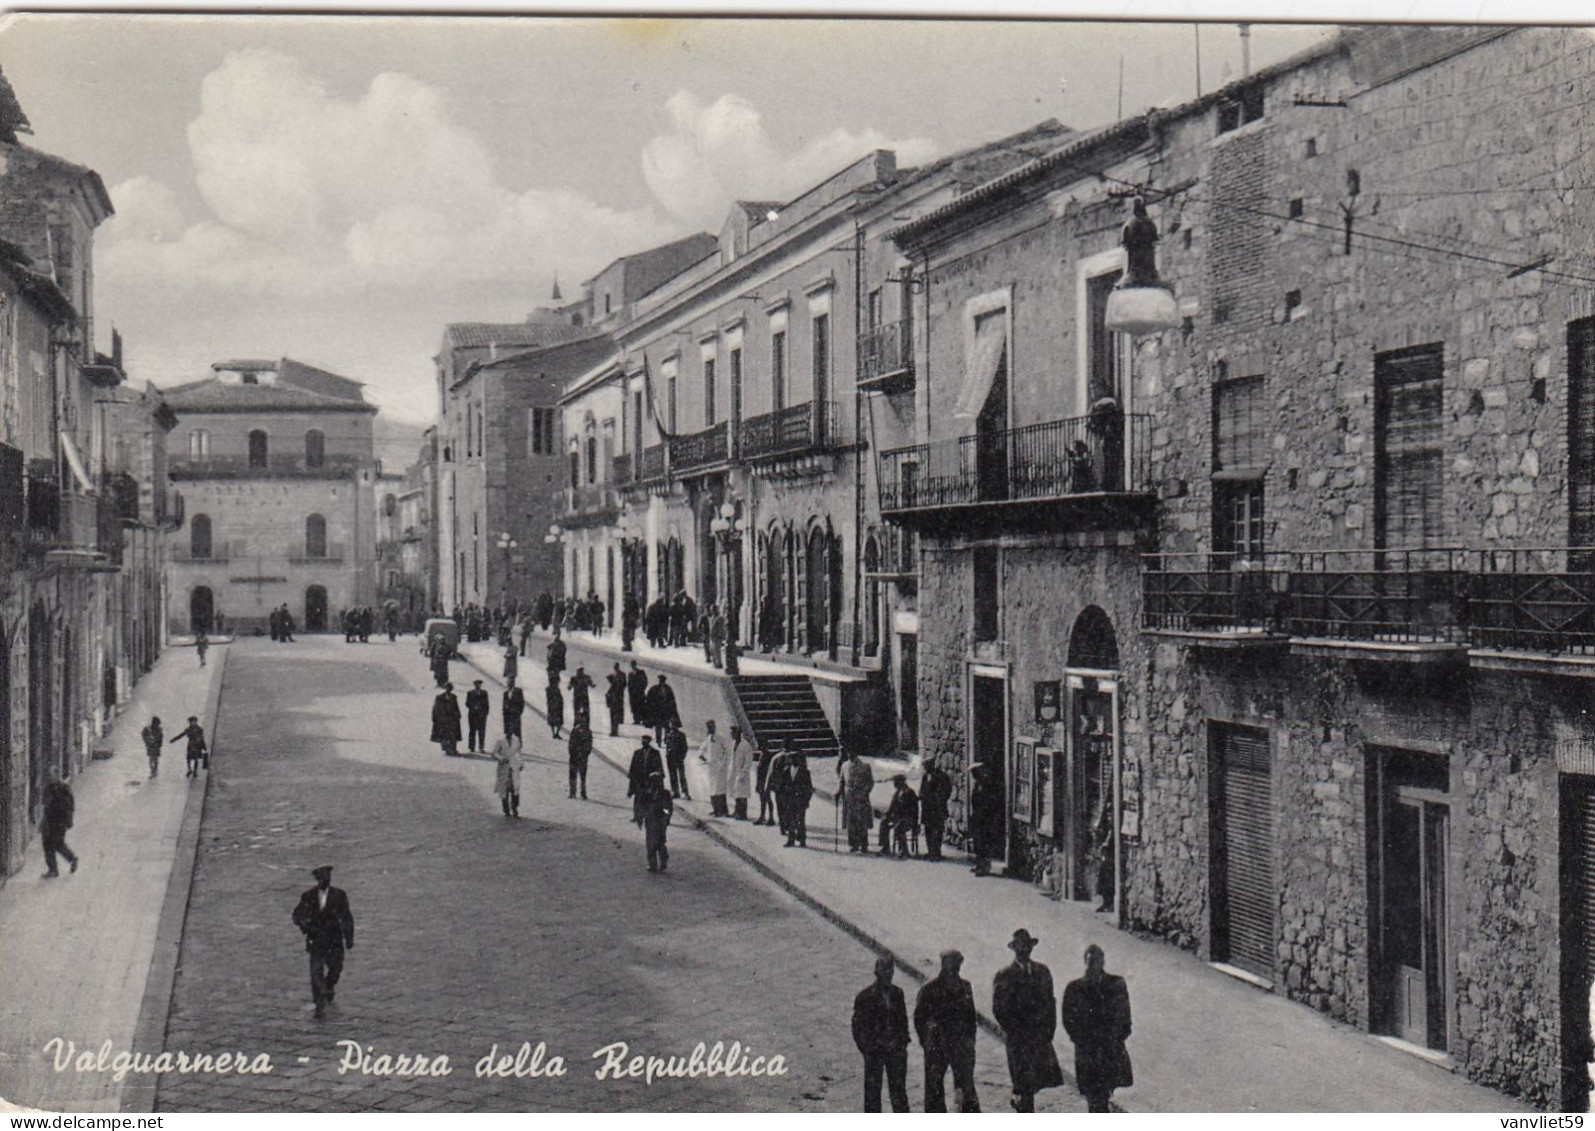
point(1091, 803)
point(1578, 936)
point(201, 609)
point(41, 708)
point(1411, 920)
point(988, 736)
point(1241, 848)
point(316, 609)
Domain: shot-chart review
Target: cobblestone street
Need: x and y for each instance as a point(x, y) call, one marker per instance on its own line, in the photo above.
point(473, 930)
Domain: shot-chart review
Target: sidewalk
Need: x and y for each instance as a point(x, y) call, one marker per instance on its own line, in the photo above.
point(79, 949)
point(1203, 1041)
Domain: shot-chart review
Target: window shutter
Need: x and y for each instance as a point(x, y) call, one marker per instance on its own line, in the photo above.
point(1409, 448)
point(1581, 432)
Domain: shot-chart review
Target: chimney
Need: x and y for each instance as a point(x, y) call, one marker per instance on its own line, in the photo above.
point(116, 348)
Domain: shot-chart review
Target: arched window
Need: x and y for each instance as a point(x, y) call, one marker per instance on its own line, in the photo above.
point(592, 459)
point(257, 448)
point(1092, 643)
point(315, 448)
point(315, 537)
point(575, 466)
point(198, 444)
point(390, 505)
point(199, 536)
point(872, 597)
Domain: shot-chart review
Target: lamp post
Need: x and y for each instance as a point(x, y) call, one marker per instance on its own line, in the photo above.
point(627, 530)
point(728, 530)
point(556, 535)
point(508, 545)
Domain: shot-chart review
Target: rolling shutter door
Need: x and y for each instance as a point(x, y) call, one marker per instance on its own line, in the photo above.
point(1578, 934)
point(1581, 432)
point(1244, 931)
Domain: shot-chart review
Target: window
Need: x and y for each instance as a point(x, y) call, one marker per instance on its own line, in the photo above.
point(872, 316)
point(778, 370)
point(592, 459)
point(608, 301)
point(636, 434)
point(315, 537)
point(198, 444)
point(670, 404)
point(257, 448)
point(1245, 108)
point(199, 536)
point(540, 431)
point(1240, 455)
point(575, 465)
point(1408, 442)
point(708, 392)
point(988, 599)
point(822, 356)
point(1104, 356)
point(315, 448)
point(736, 385)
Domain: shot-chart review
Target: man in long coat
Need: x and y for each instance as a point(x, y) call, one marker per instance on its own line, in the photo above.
point(935, 791)
point(676, 760)
point(717, 754)
point(581, 708)
point(645, 760)
point(637, 692)
point(514, 705)
point(580, 749)
point(661, 707)
point(59, 808)
point(656, 807)
point(615, 699)
point(1096, 1015)
point(323, 915)
point(880, 1030)
point(741, 763)
point(556, 655)
point(477, 708)
point(446, 720)
point(1025, 1006)
point(857, 815)
point(944, 1021)
point(793, 782)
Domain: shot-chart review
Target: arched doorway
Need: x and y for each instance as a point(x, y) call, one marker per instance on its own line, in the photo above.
point(818, 606)
point(201, 609)
point(772, 617)
point(316, 608)
point(708, 561)
point(1091, 821)
point(41, 706)
point(872, 597)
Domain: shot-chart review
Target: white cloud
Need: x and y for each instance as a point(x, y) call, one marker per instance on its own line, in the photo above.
point(719, 152)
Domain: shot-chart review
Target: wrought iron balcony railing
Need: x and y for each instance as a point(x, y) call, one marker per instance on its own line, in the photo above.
point(795, 430)
point(590, 505)
point(623, 473)
point(1098, 455)
point(701, 449)
point(1534, 600)
point(885, 355)
point(280, 466)
point(653, 464)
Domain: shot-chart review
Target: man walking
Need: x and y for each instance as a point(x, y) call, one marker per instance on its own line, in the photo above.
point(201, 645)
point(1096, 1015)
point(581, 748)
point(323, 915)
point(1025, 1006)
point(507, 779)
point(718, 755)
point(935, 791)
point(514, 705)
point(656, 809)
point(615, 699)
point(880, 1030)
point(154, 738)
point(637, 692)
point(446, 721)
point(661, 708)
point(644, 761)
point(556, 656)
point(477, 708)
point(196, 750)
point(580, 705)
point(944, 1021)
point(59, 808)
point(676, 760)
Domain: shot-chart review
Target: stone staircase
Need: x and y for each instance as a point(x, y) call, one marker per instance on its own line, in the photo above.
point(784, 709)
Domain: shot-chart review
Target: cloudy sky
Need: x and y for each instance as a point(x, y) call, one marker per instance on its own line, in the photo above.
point(338, 188)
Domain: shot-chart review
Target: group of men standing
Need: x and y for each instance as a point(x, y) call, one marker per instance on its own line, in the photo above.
point(359, 622)
point(671, 623)
point(281, 623)
point(1095, 1015)
point(906, 815)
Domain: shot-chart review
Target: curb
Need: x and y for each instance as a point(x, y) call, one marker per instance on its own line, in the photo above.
point(138, 1095)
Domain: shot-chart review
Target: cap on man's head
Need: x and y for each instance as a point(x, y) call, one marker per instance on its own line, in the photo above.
point(477, 682)
point(193, 718)
point(321, 870)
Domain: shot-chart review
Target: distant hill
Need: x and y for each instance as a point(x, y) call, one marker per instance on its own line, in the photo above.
point(398, 442)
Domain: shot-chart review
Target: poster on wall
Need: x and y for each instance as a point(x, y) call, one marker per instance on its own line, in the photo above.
point(1049, 700)
point(1046, 774)
point(1024, 779)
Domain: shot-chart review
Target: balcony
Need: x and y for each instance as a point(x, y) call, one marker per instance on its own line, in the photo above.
point(88, 533)
point(596, 504)
point(277, 467)
point(653, 464)
point(301, 555)
point(623, 474)
point(798, 430)
point(886, 358)
point(1080, 471)
point(701, 450)
point(1412, 605)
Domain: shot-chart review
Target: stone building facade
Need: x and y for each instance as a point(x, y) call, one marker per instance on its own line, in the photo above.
point(1293, 615)
point(82, 488)
point(276, 466)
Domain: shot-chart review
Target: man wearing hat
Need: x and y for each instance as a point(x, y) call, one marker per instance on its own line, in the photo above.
point(1025, 1006)
point(902, 816)
point(323, 915)
point(446, 720)
point(477, 708)
point(1096, 1015)
point(945, 1021)
point(880, 1030)
point(655, 808)
point(644, 761)
point(197, 751)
